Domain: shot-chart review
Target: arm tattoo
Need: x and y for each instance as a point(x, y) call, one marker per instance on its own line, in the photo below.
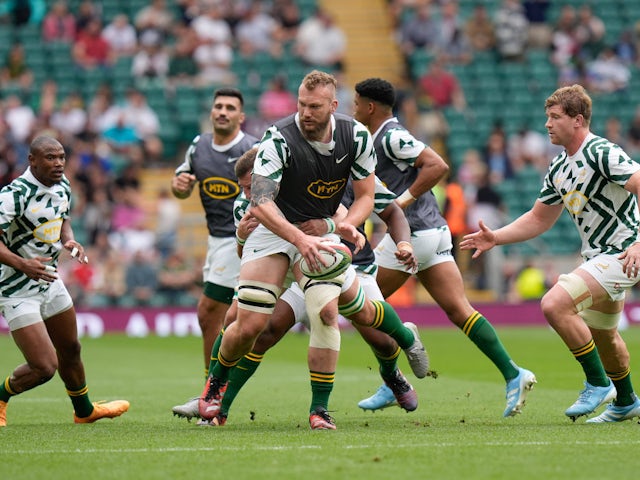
point(263, 190)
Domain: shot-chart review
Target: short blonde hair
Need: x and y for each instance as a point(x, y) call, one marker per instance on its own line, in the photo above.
point(317, 78)
point(574, 101)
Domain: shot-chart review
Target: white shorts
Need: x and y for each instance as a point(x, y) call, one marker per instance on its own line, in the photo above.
point(294, 295)
point(607, 270)
point(21, 312)
point(263, 242)
point(430, 248)
point(222, 266)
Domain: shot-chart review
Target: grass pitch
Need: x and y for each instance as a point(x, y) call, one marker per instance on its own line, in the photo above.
point(457, 432)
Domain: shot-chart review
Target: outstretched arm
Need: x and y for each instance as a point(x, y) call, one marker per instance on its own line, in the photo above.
point(536, 221)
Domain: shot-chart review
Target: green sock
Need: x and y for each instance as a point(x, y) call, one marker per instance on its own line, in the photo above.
point(624, 389)
point(588, 357)
point(214, 351)
point(80, 400)
point(482, 333)
point(222, 367)
point(5, 391)
point(387, 365)
point(238, 377)
point(387, 320)
point(321, 387)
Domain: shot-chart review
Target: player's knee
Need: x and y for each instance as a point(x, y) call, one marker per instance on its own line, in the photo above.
point(44, 371)
point(329, 314)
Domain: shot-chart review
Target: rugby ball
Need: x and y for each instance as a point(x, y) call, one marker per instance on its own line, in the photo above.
point(335, 263)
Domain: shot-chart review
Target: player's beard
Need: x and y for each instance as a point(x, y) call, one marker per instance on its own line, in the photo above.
point(316, 132)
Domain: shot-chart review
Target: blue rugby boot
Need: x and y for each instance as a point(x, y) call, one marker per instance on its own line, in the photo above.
point(614, 413)
point(383, 398)
point(590, 399)
point(517, 390)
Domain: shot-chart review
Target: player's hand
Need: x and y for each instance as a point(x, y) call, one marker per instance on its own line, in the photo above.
point(405, 255)
point(183, 183)
point(76, 251)
point(351, 234)
point(482, 240)
point(247, 224)
point(309, 247)
point(631, 260)
point(38, 269)
point(316, 227)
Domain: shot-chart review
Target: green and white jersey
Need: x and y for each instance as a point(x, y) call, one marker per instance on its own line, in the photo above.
point(312, 176)
point(590, 184)
point(31, 217)
point(240, 207)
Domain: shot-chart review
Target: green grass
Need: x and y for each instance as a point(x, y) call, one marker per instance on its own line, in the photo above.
point(457, 432)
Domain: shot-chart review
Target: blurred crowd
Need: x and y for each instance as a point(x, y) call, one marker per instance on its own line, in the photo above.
point(112, 136)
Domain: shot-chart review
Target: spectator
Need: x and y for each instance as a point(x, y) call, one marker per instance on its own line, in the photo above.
point(176, 279)
point(258, 32)
point(590, 31)
point(108, 285)
point(277, 101)
point(23, 12)
point(16, 72)
point(530, 283)
point(607, 73)
point(97, 214)
point(155, 17)
point(496, 158)
point(47, 100)
point(626, 48)
point(130, 233)
point(121, 36)
point(90, 50)
point(438, 88)
point(528, 147)
point(418, 32)
point(140, 279)
point(321, 42)
point(488, 207)
point(512, 30)
point(121, 139)
point(480, 30)
point(137, 113)
point(182, 66)
point(168, 213)
point(98, 107)
point(287, 14)
point(21, 122)
point(59, 24)
point(151, 62)
point(70, 120)
point(539, 27)
point(214, 53)
point(189, 9)
point(453, 43)
point(85, 13)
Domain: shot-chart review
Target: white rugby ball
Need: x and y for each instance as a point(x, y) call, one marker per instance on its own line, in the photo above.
point(336, 264)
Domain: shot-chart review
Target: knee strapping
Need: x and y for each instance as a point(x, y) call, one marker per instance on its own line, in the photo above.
point(257, 296)
point(577, 288)
point(600, 320)
point(354, 306)
point(317, 295)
